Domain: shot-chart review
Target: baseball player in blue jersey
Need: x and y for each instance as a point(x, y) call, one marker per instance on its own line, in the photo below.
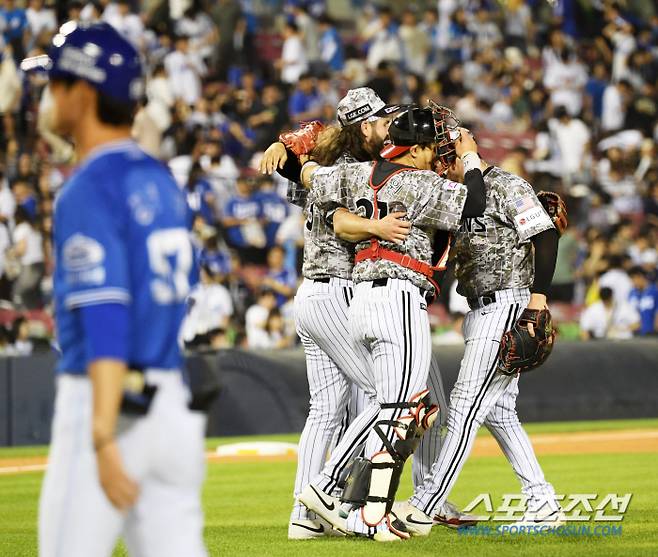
point(127, 455)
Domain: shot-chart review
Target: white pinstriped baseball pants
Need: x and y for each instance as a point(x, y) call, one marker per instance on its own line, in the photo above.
point(391, 323)
point(482, 395)
point(337, 375)
point(397, 329)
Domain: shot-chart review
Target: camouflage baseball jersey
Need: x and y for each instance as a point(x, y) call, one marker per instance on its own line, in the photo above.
point(431, 203)
point(325, 255)
point(494, 251)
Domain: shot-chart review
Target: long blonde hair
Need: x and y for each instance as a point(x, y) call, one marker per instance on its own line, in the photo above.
point(333, 141)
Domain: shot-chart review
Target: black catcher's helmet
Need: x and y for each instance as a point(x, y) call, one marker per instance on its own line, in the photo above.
point(415, 126)
point(435, 125)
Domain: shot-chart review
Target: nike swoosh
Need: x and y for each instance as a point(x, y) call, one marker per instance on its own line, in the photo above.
point(411, 520)
point(318, 530)
point(328, 507)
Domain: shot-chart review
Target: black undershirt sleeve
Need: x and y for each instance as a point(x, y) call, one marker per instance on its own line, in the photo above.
point(292, 168)
point(545, 257)
point(476, 198)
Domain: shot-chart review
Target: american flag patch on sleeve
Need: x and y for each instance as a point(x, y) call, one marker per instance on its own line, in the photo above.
point(524, 203)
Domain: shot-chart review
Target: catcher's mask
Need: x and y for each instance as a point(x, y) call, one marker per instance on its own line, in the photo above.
point(447, 132)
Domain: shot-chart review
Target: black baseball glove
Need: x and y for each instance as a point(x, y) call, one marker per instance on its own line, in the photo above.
point(521, 352)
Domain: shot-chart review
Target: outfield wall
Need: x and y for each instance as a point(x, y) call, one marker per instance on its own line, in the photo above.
point(267, 392)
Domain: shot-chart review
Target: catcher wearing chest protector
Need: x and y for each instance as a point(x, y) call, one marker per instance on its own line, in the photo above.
point(504, 265)
point(394, 282)
point(328, 257)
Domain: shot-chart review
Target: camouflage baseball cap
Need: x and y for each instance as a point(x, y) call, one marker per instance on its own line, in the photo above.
point(362, 105)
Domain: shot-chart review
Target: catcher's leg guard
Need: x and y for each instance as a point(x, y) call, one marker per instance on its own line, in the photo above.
point(373, 483)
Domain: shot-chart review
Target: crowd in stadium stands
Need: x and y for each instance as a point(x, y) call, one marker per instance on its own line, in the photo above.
point(564, 94)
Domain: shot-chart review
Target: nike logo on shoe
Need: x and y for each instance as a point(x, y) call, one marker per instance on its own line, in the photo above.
point(326, 506)
point(318, 530)
point(411, 520)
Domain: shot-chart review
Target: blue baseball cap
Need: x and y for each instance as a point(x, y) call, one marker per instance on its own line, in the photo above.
point(96, 53)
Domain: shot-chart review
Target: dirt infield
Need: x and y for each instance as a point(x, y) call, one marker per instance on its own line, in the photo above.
point(624, 441)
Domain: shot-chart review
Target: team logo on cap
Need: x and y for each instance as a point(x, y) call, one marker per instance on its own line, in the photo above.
point(353, 114)
point(80, 63)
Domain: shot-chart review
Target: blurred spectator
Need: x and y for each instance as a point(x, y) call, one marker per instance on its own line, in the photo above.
point(221, 171)
point(519, 28)
point(308, 32)
point(572, 138)
point(383, 82)
point(608, 319)
point(277, 336)
point(429, 28)
point(225, 14)
point(293, 62)
point(641, 250)
point(184, 69)
point(20, 334)
point(200, 196)
point(619, 32)
point(651, 204)
point(282, 281)
point(615, 176)
point(644, 298)
point(269, 117)
point(241, 219)
point(414, 42)
point(40, 19)
point(200, 28)
point(7, 201)
point(565, 79)
point(595, 89)
point(331, 45)
point(328, 97)
point(16, 28)
point(27, 249)
point(486, 32)
point(273, 210)
point(256, 320)
point(355, 72)
point(126, 23)
point(615, 100)
point(10, 86)
point(304, 102)
point(210, 307)
point(617, 279)
point(384, 40)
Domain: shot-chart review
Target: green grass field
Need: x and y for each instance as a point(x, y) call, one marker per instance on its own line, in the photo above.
point(247, 506)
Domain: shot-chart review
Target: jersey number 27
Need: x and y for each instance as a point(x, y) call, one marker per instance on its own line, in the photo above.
point(368, 207)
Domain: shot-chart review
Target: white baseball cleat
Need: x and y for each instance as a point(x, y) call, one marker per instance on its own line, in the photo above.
point(451, 517)
point(416, 521)
point(389, 529)
point(543, 517)
point(305, 529)
point(324, 505)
